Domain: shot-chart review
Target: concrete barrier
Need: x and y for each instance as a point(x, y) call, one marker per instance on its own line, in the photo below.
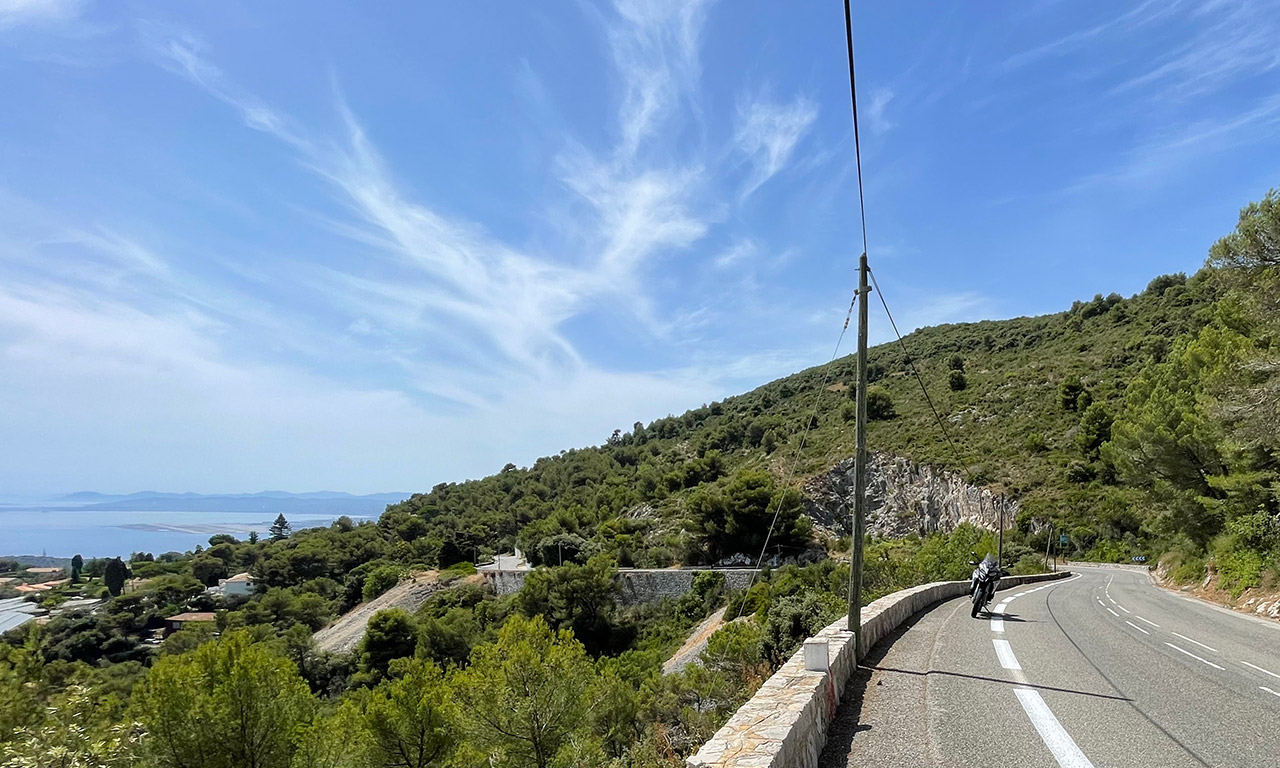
point(785, 724)
point(1123, 566)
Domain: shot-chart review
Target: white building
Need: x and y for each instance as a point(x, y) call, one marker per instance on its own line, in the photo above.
point(237, 586)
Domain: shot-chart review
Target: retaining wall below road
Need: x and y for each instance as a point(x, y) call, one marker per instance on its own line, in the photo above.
point(638, 585)
point(785, 724)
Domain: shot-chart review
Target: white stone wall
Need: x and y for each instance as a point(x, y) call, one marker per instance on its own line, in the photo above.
point(636, 585)
point(785, 724)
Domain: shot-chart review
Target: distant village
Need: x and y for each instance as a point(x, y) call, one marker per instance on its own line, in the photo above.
point(40, 593)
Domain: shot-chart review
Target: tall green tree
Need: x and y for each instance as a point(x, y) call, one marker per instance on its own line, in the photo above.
point(412, 720)
point(524, 696)
point(231, 703)
point(115, 575)
point(391, 634)
point(77, 565)
point(280, 529)
point(736, 517)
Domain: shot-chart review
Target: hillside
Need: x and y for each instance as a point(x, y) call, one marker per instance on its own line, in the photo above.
point(1016, 427)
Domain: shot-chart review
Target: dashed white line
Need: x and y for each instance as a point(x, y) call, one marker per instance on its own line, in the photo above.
point(1268, 690)
point(1197, 642)
point(1113, 613)
point(1005, 654)
point(1260, 669)
point(1192, 655)
point(1135, 626)
point(997, 625)
point(1121, 607)
point(1055, 737)
point(1149, 621)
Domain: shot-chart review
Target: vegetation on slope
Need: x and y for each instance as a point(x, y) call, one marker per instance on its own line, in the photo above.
point(1141, 425)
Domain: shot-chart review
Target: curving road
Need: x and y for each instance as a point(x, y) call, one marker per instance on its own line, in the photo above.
point(1102, 669)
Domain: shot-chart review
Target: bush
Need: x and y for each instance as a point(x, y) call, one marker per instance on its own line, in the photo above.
point(955, 363)
point(1028, 564)
point(379, 580)
point(957, 381)
point(792, 619)
point(879, 405)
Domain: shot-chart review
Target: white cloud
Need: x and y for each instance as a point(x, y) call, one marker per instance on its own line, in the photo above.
point(16, 13)
point(767, 133)
point(876, 120)
point(741, 250)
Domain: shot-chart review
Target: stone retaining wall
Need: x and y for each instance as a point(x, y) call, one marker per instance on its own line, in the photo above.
point(785, 724)
point(637, 585)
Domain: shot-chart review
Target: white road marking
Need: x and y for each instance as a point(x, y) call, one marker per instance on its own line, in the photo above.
point(1121, 607)
point(1268, 690)
point(1149, 621)
point(1113, 613)
point(1192, 655)
point(1001, 607)
point(1020, 594)
point(1197, 642)
point(997, 625)
point(1260, 669)
point(1055, 737)
point(1135, 626)
point(1104, 605)
point(1005, 654)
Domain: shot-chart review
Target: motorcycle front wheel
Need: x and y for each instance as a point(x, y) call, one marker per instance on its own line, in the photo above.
point(977, 603)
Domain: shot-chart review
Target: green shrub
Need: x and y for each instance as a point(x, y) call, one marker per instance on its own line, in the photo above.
point(957, 381)
point(381, 579)
point(1028, 564)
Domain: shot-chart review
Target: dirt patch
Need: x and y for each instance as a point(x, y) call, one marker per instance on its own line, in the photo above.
point(694, 644)
point(344, 634)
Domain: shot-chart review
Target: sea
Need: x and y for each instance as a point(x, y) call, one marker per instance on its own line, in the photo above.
point(67, 530)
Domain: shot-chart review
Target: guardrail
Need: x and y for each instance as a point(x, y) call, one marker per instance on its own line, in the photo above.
point(785, 724)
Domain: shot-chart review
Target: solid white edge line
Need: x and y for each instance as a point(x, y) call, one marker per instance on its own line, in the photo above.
point(1149, 621)
point(1197, 642)
point(1192, 655)
point(1135, 626)
point(1054, 736)
point(1260, 669)
point(1268, 690)
point(1005, 654)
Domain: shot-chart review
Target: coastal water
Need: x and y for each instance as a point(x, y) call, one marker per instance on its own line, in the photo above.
point(69, 531)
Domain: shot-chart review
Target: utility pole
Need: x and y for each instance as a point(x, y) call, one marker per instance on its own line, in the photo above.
point(1047, 542)
point(859, 468)
point(1000, 540)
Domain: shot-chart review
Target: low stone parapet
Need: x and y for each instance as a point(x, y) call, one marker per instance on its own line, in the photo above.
point(785, 724)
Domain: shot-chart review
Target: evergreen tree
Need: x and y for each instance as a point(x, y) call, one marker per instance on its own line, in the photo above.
point(227, 704)
point(280, 529)
point(115, 575)
point(526, 694)
point(77, 564)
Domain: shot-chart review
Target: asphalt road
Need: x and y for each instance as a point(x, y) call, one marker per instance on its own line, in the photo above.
point(1103, 669)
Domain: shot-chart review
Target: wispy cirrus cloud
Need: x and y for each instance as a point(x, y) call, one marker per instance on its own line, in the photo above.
point(37, 13)
point(483, 309)
point(767, 133)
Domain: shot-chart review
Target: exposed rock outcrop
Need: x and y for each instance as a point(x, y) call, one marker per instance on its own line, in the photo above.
point(903, 497)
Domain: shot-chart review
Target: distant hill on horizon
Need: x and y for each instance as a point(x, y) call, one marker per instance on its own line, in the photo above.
point(334, 503)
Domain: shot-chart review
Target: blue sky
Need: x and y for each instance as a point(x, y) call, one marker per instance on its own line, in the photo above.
point(310, 245)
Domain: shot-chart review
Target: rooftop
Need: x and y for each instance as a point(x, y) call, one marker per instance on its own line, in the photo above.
point(194, 616)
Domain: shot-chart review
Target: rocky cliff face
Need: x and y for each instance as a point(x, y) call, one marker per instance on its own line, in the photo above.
point(903, 498)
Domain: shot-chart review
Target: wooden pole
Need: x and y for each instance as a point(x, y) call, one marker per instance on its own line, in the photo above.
point(859, 468)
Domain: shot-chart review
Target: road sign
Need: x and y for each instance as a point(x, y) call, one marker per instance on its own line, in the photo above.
point(1062, 540)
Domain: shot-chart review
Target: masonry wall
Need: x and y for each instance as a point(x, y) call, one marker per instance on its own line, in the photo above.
point(638, 585)
point(785, 724)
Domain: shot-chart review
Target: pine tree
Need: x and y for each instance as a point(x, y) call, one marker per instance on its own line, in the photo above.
point(280, 529)
point(114, 576)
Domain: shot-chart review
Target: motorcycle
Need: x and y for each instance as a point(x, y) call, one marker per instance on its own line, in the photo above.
point(986, 575)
